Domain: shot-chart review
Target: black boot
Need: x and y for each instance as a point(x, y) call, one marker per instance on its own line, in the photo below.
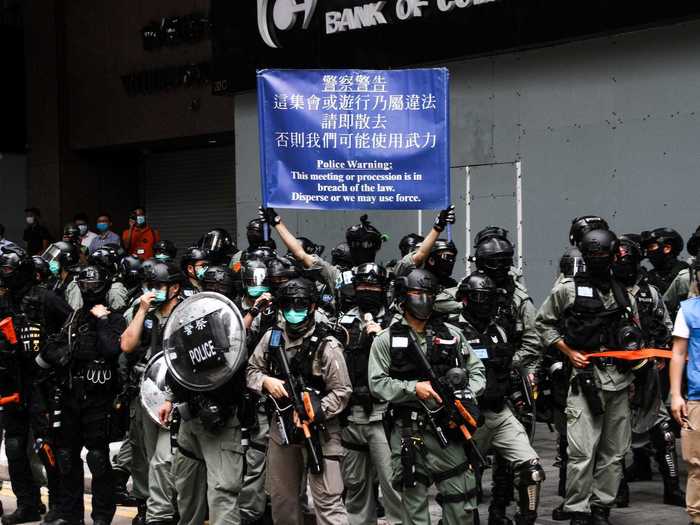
point(622, 500)
point(563, 462)
point(140, 518)
point(559, 514)
point(600, 516)
point(22, 515)
point(673, 493)
point(640, 469)
point(580, 518)
point(121, 494)
point(497, 516)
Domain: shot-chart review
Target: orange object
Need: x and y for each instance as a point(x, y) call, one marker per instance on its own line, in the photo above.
point(139, 242)
point(8, 400)
point(7, 327)
point(308, 406)
point(49, 454)
point(634, 355)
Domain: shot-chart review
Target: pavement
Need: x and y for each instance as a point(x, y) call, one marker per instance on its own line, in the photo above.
point(646, 498)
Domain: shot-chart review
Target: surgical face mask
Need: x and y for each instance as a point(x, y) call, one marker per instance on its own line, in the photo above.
point(30, 220)
point(162, 257)
point(295, 316)
point(82, 228)
point(257, 291)
point(102, 227)
point(161, 296)
point(54, 267)
point(140, 220)
point(199, 271)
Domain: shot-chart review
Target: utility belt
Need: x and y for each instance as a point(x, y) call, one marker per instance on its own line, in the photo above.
point(211, 413)
point(361, 396)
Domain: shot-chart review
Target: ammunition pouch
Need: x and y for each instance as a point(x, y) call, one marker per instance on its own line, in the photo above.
point(585, 383)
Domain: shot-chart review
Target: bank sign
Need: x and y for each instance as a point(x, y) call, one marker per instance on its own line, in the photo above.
point(354, 139)
point(278, 16)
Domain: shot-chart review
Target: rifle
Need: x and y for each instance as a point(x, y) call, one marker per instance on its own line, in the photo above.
point(302, 401)
point(452, 388)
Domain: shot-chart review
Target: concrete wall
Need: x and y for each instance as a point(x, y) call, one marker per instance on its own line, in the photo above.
point(13, 195)
point(607, 126)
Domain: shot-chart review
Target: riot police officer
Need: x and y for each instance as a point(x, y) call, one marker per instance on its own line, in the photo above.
point(582, 316)
point(193, 264)
point(650, 418)
point(680, 288)
point(423, 450)
point(36, 312)
point(218, 245)
point(255, 234)
point(63, 257)
point(207, 394)
point(367, 449)
point(299, 358)
point(407, 244)
point(364, 241)
point(492, 341)
point(662, 247)
point(150, 444)
point(84, 359)
point(107, 257)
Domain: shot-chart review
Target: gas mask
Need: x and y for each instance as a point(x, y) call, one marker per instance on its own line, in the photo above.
point(362, 252)
point(626, 272)
point(419, 304)
point(442, 263)
point(598, 266)
point(497, 268)
point(370, 300)
point(480, 304)
point(658, 259)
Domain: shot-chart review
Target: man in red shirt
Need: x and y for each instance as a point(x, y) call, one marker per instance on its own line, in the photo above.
point(140, 238)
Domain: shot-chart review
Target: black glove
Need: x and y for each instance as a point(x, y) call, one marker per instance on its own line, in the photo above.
point(269, 215)
point(447, 216)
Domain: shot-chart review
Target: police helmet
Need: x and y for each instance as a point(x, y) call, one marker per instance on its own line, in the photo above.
point(218, 244)
point(93, 281)
point(370, 273)
point(71, 233)
point(192, 255)
point(218, 278)
point(255, 273)
point(297, 292)
point(65, 253)
point(693, 244)
point(130, 269)
point(662, 237)
point(259, 253)
point(494, 254)
point(583, 224)
point(477, 284)
point(41, 268)
point(571, 262)
point(598, 243)
point(490, 232)
point(281, 270)
point(164, 250)
point(16, 267)
point(363, 235)
point(409, 243)
point(417, 280)
point(158, 272)
point(340, 256)
point(106, 259)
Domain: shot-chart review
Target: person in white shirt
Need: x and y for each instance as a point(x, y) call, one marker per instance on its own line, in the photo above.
point(86, 236)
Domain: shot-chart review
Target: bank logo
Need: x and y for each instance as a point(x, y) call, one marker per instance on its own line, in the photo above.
point(282, 15)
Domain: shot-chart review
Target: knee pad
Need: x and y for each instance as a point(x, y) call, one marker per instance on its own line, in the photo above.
point(14, 448)
point(663, 436)
point(531, 473)
point(98, 462)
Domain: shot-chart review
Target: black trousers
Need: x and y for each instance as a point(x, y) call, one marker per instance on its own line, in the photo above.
point(17, 432)
point(86, 418)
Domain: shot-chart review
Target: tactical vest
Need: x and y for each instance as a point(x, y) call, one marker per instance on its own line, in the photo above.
point(507, 314)
point(30, 320)
point(83, 338)
point(651, 316)
point(587, 323)
point(663, 280)
point(302, 362)
point(442, 349)
point(496, 352)
point(357, 358)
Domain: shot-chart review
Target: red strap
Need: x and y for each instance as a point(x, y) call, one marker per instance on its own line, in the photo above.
point(634, 355)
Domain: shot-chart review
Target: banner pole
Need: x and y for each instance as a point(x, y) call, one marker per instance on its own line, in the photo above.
point(420, 223)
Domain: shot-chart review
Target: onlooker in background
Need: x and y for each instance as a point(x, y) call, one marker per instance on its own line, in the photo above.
point(140, 238)
point(104, 234)
point(86, 236)
point(35, 234)
point(686, 343)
